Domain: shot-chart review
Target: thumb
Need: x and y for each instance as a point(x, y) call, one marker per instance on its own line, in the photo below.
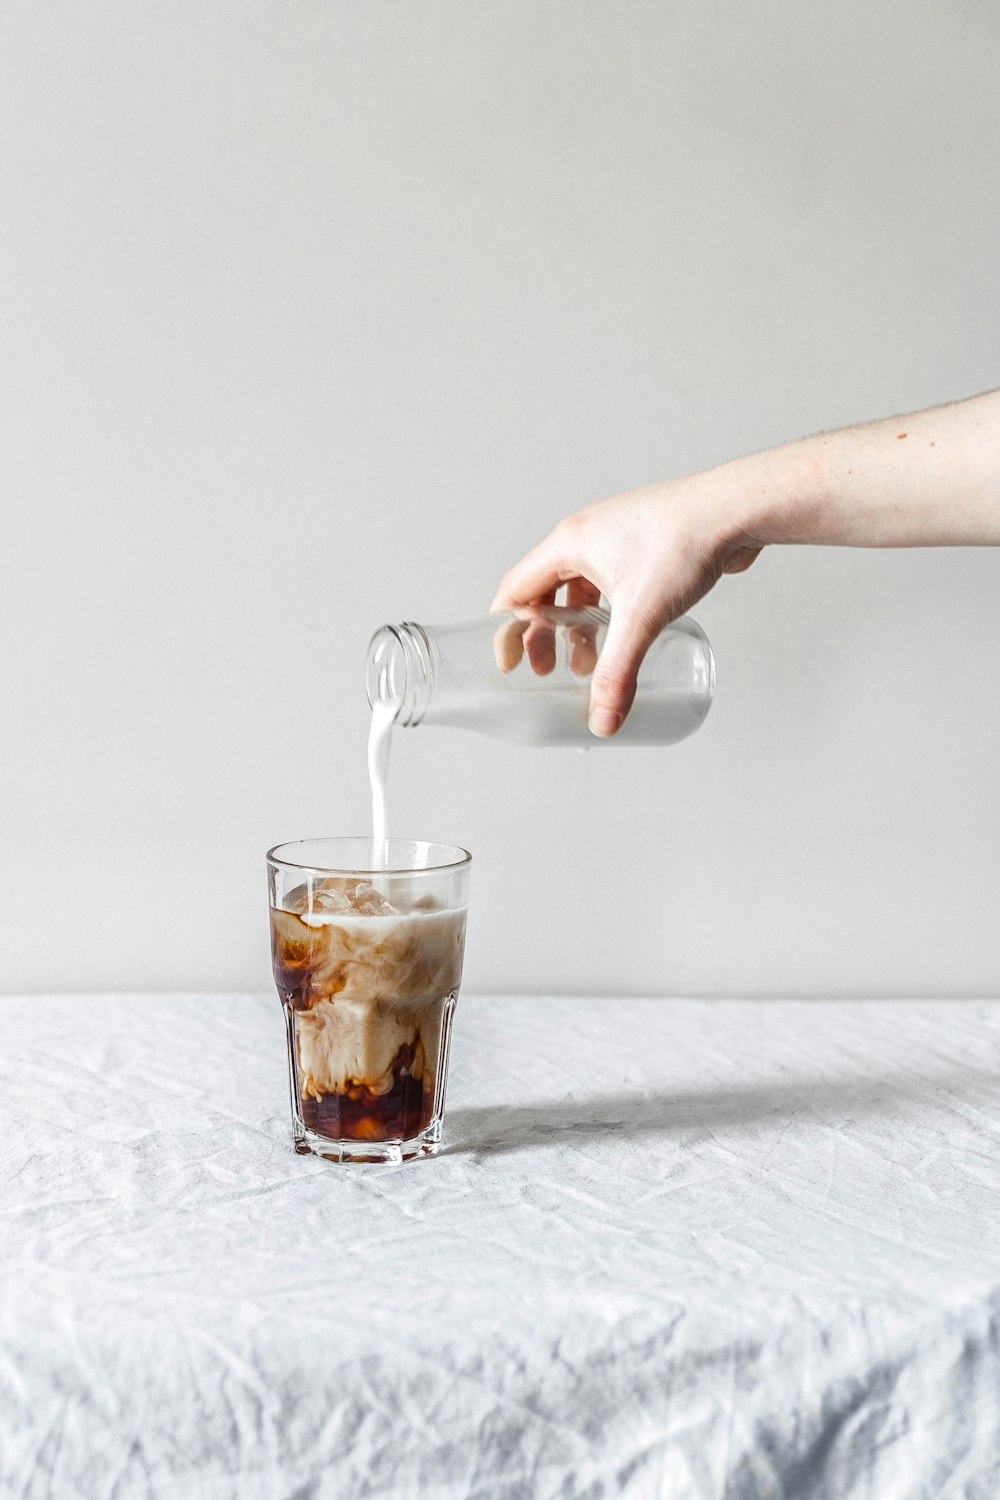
point(612, 687)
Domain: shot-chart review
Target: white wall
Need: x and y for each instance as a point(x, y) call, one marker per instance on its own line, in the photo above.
point(315, 315)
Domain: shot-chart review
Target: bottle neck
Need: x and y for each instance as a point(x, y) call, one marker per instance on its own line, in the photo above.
point(400, 669)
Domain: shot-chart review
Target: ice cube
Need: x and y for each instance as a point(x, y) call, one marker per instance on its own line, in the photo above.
point(366, 901)
point(297, 900)
point(328, 898)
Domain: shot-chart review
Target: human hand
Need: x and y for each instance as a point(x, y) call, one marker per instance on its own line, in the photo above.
point(931, 478)
point(652, 553)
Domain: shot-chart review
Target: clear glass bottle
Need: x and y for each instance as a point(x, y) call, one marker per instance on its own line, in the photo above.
point(525, 676)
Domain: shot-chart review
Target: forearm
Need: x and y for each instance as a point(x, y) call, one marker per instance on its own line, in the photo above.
point(928, 479)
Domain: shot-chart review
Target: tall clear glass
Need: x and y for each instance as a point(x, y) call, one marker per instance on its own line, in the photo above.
point(367, 964)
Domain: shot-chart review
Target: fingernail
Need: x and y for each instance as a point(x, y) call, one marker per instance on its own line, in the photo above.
point(603, 722)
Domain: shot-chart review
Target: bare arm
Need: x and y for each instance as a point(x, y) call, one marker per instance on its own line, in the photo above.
point(924, 480)
point(931, 479)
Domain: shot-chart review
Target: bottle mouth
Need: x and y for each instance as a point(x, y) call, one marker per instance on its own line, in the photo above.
point(400, 670)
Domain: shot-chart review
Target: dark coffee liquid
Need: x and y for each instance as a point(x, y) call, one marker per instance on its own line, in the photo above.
point(292, 974)
point(359, 1115)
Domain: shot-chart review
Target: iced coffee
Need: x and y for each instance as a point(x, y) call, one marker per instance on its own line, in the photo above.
point(368, 967)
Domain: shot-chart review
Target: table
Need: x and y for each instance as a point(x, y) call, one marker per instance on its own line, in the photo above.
point(736, 1249)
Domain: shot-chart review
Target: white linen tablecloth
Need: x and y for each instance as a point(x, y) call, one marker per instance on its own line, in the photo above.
point(726, 1249)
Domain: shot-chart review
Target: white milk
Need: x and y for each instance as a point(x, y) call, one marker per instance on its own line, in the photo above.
point(379, 746)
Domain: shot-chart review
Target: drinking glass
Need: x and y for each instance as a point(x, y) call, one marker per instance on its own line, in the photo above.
point(367, 961)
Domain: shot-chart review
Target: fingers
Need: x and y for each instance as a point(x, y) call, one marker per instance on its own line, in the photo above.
point(540, 641)
point(532, 634)
point(508, 647)
point(630, 634)
point(581, 594)
point(536, 574)
point(541, 571)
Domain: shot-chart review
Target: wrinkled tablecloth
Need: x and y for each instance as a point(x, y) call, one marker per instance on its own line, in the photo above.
point(726, 1249)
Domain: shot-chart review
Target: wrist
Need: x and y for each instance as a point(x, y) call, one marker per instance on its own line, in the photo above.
point(778, 495)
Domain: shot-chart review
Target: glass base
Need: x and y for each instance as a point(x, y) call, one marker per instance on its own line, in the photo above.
point(308, 1143)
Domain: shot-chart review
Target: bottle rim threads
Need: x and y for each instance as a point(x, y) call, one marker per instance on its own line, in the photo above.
point(400, 667)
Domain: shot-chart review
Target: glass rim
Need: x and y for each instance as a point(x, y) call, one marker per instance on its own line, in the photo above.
point(274, 857)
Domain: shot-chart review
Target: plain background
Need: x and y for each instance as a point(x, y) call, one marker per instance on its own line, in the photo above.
point(316, 315)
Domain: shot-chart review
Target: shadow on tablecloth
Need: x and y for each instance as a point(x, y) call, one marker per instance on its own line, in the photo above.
point(493, 1129)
